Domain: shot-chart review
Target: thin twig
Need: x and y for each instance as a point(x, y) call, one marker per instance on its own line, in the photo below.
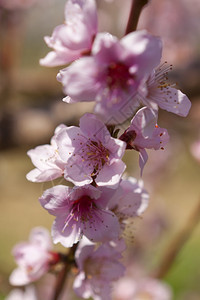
point(136, 8)
point(178, 243)
point(62, 276)
point(61, 281)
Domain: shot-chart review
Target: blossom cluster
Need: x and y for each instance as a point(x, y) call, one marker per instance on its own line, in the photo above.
point(125, 80)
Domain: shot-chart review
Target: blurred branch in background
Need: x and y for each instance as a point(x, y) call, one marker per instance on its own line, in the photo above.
point(178, 243)
point(136, 9)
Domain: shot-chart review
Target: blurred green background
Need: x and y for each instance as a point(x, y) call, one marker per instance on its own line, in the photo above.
point(31, 108)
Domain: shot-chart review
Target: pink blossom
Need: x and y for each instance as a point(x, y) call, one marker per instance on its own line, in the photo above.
point(112, 73)
point(129, 200)
point(75, 37)
point(33, 257)
point(49, 165)
point(79, 211)
point(156, 92)
point(90, 153)
point(146, 288)
point(144, 133)
point(98, 269)
point(18, 294)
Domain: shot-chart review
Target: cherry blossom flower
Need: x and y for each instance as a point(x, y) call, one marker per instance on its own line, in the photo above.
point(98, 269)
point(156, 92)
point(129, 200)
point(90, 153)
point(79, 211)
point(128, 288)
point(34, 257)
point(49, 165)
point(75, 37)
point(112, 73)
point(17, 294)
point(144, 133)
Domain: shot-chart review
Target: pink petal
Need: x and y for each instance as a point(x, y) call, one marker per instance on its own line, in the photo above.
point(19, 277)
point(41, 237)
point(81, 286)
point(110, 174)
point(92, 127)
point(80, 86)
point(77, 173)
point(66, 235)
point(173, 101)
point(40, 156)
point(36, 175)
point(144, 121)
point(147, 49)
point(67, 139)
point(135, 199)
point(53, 58)
point(84, 9)
point(106, 48)
point(143, 157)
point(56, 199)
point(103, 226)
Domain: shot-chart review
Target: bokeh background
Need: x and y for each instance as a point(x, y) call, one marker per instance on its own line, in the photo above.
point(31, 108)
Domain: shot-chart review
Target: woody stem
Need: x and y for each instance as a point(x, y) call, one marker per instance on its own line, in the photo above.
point(62, 276)
point(136, 8)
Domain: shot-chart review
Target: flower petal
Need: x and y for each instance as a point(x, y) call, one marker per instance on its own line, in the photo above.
point(146, 48)
point(143, 157)
point(80, 86)
point(110, 174)
point(56, 200)
point(66, 235)
point(173, 100)
point(19, 277)
point(36, 175)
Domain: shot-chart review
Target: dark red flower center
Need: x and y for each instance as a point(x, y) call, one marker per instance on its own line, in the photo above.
point(83, 204)
point(128, 137)
point(118, 76)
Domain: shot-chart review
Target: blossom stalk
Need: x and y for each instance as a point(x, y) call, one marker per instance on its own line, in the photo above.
point(136, 8)
point(62, 276)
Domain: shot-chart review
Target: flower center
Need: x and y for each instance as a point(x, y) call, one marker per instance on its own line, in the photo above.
point(128, 137)
point(93, 267)
point(83, 206)
point(95, 154)
point(81, 210)
point(118, 76)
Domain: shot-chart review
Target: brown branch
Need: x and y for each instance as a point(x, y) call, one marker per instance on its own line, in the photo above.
point(136, 8)
point(69, 262)
point(178, 243)
point(61, 281)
